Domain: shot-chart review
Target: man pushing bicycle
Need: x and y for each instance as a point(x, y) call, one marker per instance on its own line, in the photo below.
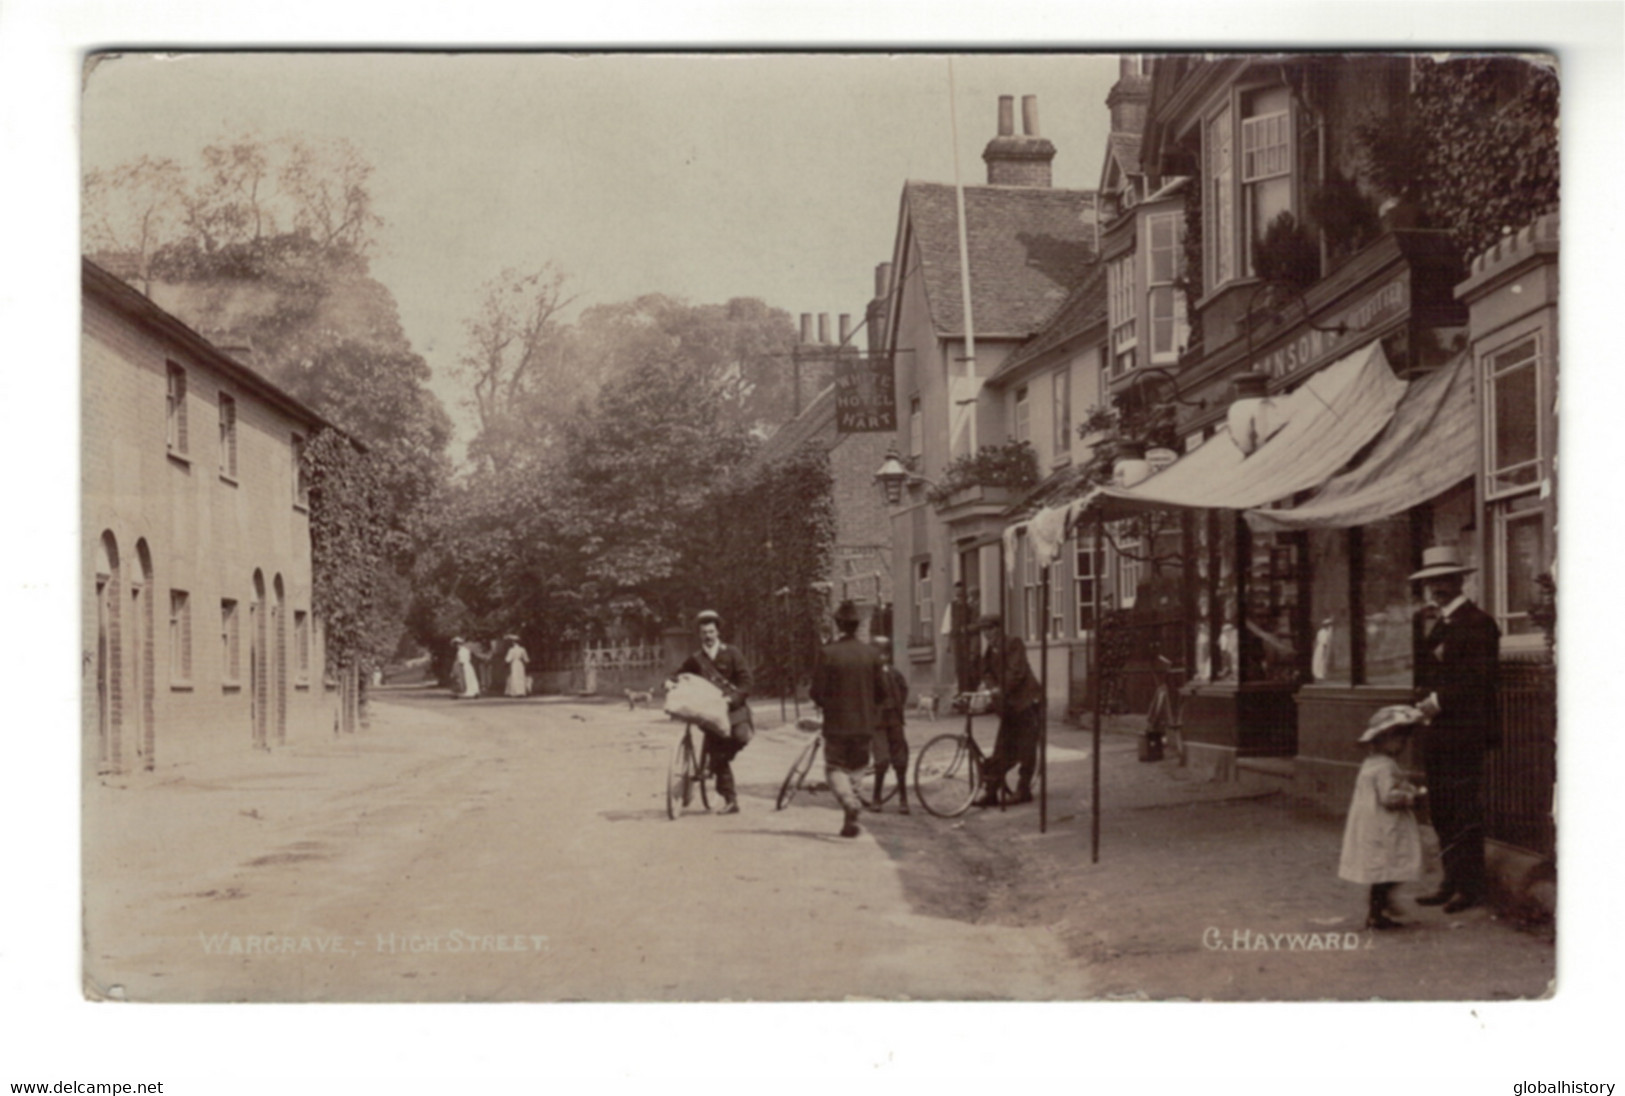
point(1019, 698)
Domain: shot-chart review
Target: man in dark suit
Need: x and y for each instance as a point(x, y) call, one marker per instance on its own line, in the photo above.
point(1019, 699)
point(1457, 654)
point(724, 667)
point(849, 687)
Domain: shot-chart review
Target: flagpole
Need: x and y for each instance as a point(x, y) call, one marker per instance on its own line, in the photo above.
point(964, 278)
point(1043, 714)
point(1094, 752)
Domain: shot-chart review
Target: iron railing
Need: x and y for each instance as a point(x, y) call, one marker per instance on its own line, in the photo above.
point(1520, 777)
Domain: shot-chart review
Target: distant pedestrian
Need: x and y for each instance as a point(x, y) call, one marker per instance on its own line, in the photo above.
point(465, 682)
point(1019, 699)
point(1457, 657)
point(891, 744)
point(518, 659)
point(483, 651)
point(726, 668)
point(849, 687)
point(1382, 841)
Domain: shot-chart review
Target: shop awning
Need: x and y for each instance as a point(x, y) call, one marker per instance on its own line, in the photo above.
point(1430, 445)
point(1327, 420)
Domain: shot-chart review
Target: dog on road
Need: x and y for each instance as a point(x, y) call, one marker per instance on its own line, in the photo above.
point(634, 697)
point(926, 704)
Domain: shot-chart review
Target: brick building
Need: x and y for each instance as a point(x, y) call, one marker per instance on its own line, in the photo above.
point(199, 636)
point(861, 565)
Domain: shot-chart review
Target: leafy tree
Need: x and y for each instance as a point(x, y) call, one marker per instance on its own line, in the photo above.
point(639, 466)
point(519, 363)
point(132, 211)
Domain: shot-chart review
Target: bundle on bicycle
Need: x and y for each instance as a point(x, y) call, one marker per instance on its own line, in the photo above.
point(710, 692)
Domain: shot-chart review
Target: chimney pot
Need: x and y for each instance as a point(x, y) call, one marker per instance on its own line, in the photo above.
point(846, 327)
point(1007, 116)
point(806, 327)
point(882, 279)
point(823, 327)
point(1029, 115)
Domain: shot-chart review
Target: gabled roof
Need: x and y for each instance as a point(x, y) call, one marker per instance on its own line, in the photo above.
point(1124, 149)
point(118, 295)
point(1084, 309)
point(1029, 247)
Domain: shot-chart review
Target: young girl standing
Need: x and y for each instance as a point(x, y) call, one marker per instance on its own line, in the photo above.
point(1382, 842)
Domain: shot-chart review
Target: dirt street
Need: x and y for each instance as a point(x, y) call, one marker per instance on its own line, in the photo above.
point(520, 850)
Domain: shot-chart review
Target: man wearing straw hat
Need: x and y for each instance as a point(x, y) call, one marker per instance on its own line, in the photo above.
point(1457, 653)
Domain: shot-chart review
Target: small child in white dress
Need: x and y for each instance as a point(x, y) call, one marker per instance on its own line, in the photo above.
point(1382, 842)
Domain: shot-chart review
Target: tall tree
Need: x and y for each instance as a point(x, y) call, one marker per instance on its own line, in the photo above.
point(517, 362)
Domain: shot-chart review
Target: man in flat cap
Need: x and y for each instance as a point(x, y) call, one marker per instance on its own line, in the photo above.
point(1019, 700)
point(849, 687)
point(1457, 653)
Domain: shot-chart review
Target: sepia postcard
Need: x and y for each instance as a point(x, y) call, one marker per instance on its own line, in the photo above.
point(819, 526)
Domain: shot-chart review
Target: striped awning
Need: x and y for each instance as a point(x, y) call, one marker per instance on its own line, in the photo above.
point(1430, 445)
point(1325, 422)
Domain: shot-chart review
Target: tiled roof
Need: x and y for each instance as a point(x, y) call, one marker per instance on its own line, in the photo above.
point(1085, 308)
point(1125, 148)
point(1029, 247)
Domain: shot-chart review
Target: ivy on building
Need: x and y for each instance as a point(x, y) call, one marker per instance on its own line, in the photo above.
point(1476, 155)
point(769, 554)
point(348, 505)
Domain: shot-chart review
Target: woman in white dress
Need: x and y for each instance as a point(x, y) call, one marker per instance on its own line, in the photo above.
point(518, 659)
point(465, 682)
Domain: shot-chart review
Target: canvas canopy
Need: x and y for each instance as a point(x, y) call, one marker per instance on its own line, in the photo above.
point(1325, 421)
point(1430, 445)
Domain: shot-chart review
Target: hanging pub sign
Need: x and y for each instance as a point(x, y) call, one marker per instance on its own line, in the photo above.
point(865, 394)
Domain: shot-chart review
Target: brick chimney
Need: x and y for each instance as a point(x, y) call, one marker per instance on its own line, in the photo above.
point(1131, 95)
point(1023, 160)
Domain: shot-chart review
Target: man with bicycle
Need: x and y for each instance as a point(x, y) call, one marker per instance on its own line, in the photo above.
point(724, 667)
point(1019, 700)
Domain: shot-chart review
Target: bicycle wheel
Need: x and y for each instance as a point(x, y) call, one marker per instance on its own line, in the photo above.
point(677, 777)
point(684, 777)
point(798, 773)
point(699, 774)
point(946, 776)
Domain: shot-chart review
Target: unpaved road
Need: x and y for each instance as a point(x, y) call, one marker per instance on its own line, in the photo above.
point(519, 850)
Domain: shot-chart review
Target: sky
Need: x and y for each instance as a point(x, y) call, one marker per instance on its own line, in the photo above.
point(705, 176)
point(855, 1046)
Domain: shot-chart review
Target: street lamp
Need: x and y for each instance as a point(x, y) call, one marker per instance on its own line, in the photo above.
point(893, 475)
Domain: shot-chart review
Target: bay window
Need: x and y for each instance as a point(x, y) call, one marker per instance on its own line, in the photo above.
point(1169, 329)
point(1121, 301)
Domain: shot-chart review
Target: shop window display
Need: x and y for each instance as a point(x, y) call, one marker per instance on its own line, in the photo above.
point(1389, 606)
point(1331, 659)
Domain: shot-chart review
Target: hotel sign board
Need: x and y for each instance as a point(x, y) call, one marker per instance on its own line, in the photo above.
point(1313, 347)
point(865, 394)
